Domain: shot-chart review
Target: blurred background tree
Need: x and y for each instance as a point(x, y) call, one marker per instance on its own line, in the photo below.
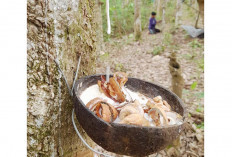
point(137, 20)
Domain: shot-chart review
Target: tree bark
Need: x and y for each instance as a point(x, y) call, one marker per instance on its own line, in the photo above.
point(177, 79)
point(137, 19)
point(201, 9)
point(61, 30)
point(155, 4)
point(178, 12)
point(163, 6)
point(197, 20)
point(177, 87)
point(159, 8)
point(99, 29)
point(200, 5)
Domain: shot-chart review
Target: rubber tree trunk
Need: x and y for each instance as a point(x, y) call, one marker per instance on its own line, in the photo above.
point(155, 4)
point(177, 87)
point(197, 20)
point(61, 30)
point(159, 8)
point(201, 13)
point(178, 12)
point(137, 19)
point(177, 79)
point(201, 8)
point(99, 29)
point(163, 5)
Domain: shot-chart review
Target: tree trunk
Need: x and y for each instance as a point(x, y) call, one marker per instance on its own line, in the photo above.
point(177, 87)
point(200, 5)
point(159, 8)
point(137, 20)
point(60, 30)
point(99, 29)
point(197, 20)
point(201, 9)
point(178, 12)
point(177, 79)
point(164, 3)
point(155, 5)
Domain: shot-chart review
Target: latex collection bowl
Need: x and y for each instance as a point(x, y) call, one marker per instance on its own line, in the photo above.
point(128, 139)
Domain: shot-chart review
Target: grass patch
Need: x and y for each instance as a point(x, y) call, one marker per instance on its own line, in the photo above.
point(200, 63)
point(195, 44)
point(120, 67)
point(167, 39)
point(158, 50)
point(189, 56)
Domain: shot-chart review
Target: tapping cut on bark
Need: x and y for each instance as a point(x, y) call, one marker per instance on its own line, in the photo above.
point(177, 79)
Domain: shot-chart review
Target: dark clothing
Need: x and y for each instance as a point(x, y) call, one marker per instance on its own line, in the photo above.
point(152, 23)
point(154, 31)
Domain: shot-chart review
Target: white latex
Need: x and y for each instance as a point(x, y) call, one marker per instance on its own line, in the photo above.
point(108, 16)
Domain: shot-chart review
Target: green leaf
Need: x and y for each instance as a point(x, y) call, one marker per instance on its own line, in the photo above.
point(194, 85)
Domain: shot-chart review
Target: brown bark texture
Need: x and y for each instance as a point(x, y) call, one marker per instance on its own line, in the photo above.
point(201, 12)
point(177, 79)
point(201, 8)
point(177, 87)
point(61, 30)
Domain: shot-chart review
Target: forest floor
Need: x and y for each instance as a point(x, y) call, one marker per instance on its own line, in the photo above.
point(148, 60)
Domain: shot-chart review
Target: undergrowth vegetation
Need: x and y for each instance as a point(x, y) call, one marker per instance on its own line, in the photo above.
point(158, 50)
point(195, 44)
